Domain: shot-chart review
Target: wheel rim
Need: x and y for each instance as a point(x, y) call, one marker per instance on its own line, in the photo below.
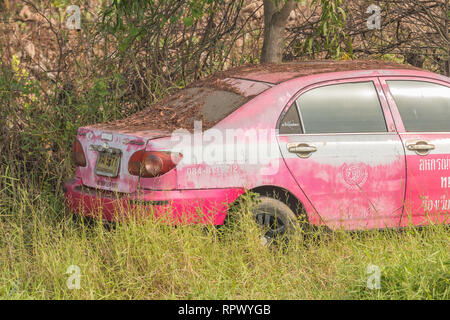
point(272, 224)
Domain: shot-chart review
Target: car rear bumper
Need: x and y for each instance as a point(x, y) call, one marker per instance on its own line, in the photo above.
point(207, 206)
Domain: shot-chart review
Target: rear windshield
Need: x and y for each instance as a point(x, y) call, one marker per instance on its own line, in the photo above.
point(210, 105)
point(181, 110)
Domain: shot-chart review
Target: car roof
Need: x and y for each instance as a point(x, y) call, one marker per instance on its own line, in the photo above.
point(277, 73)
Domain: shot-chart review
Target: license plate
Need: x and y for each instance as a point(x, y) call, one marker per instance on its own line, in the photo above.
point(107, 164)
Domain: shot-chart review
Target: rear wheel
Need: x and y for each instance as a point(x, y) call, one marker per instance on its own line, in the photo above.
point(275, 218)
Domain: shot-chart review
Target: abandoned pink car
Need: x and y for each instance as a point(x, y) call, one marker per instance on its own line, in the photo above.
point(349, 144)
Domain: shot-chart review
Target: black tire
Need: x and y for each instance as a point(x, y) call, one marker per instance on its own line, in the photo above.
point(275, 217)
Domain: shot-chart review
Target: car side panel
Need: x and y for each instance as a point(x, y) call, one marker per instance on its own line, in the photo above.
point(354, 181)
point(212, 173)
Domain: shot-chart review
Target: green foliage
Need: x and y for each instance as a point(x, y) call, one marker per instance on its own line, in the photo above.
point(38, 130)
point(134, 17)
point(330, 35)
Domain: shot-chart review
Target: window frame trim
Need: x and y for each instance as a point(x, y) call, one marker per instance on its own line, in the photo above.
point(302, 123)
point(385, 107)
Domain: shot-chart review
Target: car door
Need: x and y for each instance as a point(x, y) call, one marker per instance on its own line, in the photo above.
point(339, 141)
point(421, 109)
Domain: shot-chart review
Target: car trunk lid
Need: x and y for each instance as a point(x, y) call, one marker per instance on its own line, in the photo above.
point(107, 156)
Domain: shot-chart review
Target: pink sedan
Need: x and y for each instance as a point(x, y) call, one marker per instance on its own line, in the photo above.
point(352, 145)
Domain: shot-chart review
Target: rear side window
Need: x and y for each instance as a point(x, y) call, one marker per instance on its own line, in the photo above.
point(342, 108)
point(291, 123)
point(423, 106)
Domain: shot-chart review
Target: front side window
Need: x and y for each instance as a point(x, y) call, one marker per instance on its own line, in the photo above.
point(423, 106)
point(342, 108)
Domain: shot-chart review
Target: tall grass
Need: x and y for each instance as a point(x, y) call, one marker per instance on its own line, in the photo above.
point(40, 240)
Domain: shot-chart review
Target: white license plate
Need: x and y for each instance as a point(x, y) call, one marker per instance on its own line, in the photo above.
point(107, 164)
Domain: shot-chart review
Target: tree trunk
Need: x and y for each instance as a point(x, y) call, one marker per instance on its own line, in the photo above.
point(275, 20)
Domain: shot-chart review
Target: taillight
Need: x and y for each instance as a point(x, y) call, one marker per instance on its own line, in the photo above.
point(152, 164)
point(78, 154)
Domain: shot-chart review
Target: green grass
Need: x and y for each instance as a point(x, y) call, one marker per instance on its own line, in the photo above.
point(40, 240)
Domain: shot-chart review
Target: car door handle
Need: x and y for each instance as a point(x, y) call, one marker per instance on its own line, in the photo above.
point(422, 148)
point(303, 150)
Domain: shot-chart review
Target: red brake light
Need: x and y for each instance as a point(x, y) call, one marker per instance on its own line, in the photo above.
point(152, 164)
point(78, 154)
